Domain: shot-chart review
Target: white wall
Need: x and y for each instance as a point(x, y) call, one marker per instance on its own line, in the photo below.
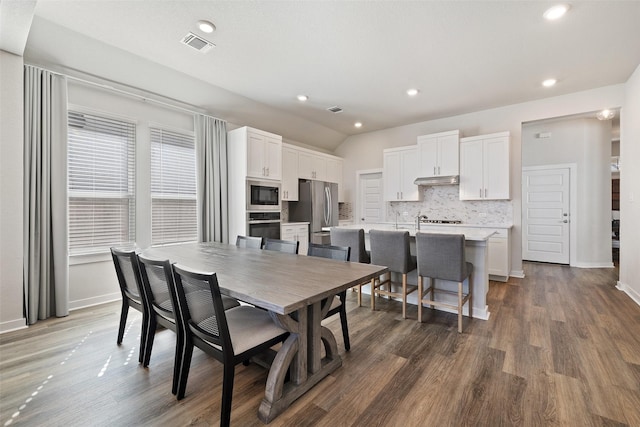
point(630, 189)
point(585, 142)
point(364, 151)
point(11, 179)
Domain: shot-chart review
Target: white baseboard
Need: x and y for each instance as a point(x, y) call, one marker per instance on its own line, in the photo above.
point(517, 273)
point(593, 265)
point(89, 302)
point(13, 325)
point(633, 294)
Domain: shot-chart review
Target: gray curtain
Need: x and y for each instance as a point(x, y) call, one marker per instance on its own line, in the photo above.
point(211, 161)
point(46, 249)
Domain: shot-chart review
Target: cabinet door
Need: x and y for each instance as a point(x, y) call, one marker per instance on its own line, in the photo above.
point(391, 176)
point(496, 168)
point(302, 236)
point(498, 257)
point(305, 165)
point(333, 169)
point(289, 174)
point(288, 232)
point(471, 171)
point(255, 155)
point(273, 158)
point(428, 157)
point(448, 154)
point(408, 173)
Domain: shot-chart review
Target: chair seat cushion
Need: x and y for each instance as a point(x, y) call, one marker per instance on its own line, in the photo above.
point(250, 327)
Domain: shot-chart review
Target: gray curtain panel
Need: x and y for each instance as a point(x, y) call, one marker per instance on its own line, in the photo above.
point(46, 249)
point(211, 166)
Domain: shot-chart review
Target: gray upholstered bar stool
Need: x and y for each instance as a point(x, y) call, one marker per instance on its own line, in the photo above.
point(441, 256)
point(354, 239)
point(391, 248)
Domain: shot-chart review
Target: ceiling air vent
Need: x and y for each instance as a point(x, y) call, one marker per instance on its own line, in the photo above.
point(335, 109)
point(198, 43)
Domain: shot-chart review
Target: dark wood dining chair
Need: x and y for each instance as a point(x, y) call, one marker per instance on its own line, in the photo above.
point(249, 242)
point(157, 282)
point(353, 238)
point(338, 303)
point(442, 256)
point(128, 272)
point(286, 246)
point(232, 336)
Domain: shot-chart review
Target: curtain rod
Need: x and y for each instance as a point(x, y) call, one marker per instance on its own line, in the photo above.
point(124, 92)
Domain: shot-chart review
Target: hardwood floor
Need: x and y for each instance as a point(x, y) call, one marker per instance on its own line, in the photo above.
point(562, 347)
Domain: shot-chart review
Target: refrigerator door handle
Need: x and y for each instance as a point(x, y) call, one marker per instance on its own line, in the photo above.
point(327, 205)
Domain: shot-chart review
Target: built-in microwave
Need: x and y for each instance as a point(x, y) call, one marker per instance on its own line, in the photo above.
point(263, 195)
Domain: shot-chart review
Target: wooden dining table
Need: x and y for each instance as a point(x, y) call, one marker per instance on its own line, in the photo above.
point(296, 290)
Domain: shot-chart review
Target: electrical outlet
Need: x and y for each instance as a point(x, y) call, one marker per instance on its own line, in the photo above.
point(483, 214)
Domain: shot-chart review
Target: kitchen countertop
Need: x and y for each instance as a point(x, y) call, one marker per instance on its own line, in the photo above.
point(475, 232)
point(294, 223)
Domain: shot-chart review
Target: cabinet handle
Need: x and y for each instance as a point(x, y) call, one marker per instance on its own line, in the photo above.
point(481, 193)
point(438, 170)
point(434, 170)
point(485, 193)
point(267, 171)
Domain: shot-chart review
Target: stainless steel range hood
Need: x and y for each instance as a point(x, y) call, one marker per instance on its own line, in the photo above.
point(438, 180)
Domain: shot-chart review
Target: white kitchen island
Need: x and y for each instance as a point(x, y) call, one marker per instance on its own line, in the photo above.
point(476, 253)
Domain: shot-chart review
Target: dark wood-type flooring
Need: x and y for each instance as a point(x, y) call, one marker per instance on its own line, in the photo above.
point(562, 347)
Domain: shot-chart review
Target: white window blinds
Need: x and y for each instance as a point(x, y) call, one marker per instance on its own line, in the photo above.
point(173, 187)
point(101, 171)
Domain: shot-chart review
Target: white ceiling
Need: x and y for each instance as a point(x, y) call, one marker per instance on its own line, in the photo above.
point(463, 56)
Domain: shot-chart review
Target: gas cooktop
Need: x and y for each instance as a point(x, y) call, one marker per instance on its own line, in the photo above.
point(441, 221)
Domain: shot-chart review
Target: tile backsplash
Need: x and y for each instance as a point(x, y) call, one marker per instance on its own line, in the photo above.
point(443, 202)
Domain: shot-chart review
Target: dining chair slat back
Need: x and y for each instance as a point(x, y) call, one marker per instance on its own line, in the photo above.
point(286, 246)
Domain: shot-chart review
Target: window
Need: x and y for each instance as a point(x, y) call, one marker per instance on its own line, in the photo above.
point(101, 173)
point(173, 187)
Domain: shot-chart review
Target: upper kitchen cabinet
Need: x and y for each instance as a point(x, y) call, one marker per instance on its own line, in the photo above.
point(256, 151)
point(400, 169)
point(312, 166)
point(438, 154)
point(484, 167)
point(289, 190)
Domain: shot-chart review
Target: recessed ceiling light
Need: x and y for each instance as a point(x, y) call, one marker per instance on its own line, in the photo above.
point(302, 98)
point(549, 82)
point(412, 92)
point(556, 12)
point(606, 115)
point(206, 26)
point(358, 124)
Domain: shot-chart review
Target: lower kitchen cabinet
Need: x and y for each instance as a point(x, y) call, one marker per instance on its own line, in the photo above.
point(499, 252)
point(296, 232)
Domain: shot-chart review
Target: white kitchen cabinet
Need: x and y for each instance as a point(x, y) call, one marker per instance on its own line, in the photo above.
point(311, 166)
point(498, 264)
point(400, 169)
point(438, 154)
point(289, 190)
point(484, 167)
point(333, 170)
point(296, 232)
point(264, 154)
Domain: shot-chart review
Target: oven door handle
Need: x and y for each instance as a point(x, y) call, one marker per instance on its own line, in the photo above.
point(270, 221)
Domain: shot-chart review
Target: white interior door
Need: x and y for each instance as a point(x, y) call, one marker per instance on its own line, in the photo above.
point(371, 201)
point(545, 215)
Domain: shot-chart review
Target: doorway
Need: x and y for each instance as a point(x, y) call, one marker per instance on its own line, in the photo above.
point(370, 208)
point(546, 214)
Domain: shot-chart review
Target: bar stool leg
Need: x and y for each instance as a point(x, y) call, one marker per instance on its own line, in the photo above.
point(419, 298)
point(404, 296)
point(459, 307)
point(470, 296)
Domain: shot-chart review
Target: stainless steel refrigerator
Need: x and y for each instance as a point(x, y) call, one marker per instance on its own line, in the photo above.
point(318, 205)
